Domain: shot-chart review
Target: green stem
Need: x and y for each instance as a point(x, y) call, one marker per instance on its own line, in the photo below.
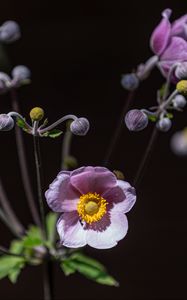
point(38, 165)
point(47, 274)
point(119, 127)
point(23, 164)
point(145, 159)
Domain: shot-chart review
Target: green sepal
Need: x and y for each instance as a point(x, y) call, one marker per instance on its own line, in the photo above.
point(152, 118)
point(22, 124)
point(11, 266)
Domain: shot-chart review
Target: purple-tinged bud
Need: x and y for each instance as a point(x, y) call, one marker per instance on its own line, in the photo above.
point(130, 82)
point(6, 122)
point(164, 124)
point(179, 142)
point(136, 120)
point(21, 73)
point(181, 71)
point(9, 32)
point(80, 126)
point(4, 82)
point(179, 101)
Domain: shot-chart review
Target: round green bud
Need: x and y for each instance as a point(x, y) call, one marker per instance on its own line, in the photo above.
point(182, 87)
point(119, 175)
point(37, 114)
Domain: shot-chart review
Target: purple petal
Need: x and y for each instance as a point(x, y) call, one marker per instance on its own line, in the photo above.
point(70, 230)
point(178, 27)
point(121, 198)
point(106, 233)
point(176, 51)
point(93, 179)
point(61, 196)
point(161, 34)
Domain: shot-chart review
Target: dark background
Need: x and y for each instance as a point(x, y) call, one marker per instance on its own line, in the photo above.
point(77, 51)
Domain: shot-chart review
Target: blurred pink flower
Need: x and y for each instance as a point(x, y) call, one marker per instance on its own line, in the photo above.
point(93, 203)
point(169, 42)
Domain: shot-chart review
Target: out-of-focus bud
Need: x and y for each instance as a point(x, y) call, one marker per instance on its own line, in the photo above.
point(9, 32)
point(130, 82)
point(179, 142)
point(182, 87)
point(181, 70)
point(136, 120)
point(119, 175)
point(164, 124)
point(37, 114)
point(80, 126)
point(179, 101)
point(21, 73)
point(6, 122)
point(5, 82)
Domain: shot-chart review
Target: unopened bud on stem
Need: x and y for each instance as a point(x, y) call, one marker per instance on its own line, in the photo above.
point(136, 120)
point(37, 114)
point(130, 82)
point(6, 122)
point(80, 126)
point(164, 124)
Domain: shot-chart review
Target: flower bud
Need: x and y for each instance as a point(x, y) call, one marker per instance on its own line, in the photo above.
point(130, 82)
point(6, 122)
point(80, 126)
point(37, 114)
point(182, 87)
point(9, 32)
point(21, 73)
point(119, 175)
point(179, 101)
point(179, 142)
point(164, 124)
point(136, 120)
point(181, 70)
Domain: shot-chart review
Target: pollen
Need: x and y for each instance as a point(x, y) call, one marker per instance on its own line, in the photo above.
point(91, 207)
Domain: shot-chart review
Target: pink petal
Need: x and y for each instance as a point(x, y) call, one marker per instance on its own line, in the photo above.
point(176, 51)
point(105, 234)
point(70, 230)
point(121, 198)
point(161, 34)
point(61, 196)
point(92, 179)
point(178, 26)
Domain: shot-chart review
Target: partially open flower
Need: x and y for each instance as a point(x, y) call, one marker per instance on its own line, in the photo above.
point(136, 120)
point(169, 42)
point(80, 126)
point(9, 32)
point(6, 122)
point(93, 203)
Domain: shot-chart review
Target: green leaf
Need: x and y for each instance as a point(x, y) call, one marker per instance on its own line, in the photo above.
point(33, 237)
point(51, 220)
point(66, 268)
point(88, 267)
point(16, 246)
point(10, 265)
point(14, 273)
point(80, 257)
point(22, 124)
point(53, 133)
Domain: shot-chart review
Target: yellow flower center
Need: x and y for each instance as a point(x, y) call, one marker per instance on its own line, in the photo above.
point(91, 207)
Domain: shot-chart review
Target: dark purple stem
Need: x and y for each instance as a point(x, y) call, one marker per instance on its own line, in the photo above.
point(119, 127)
point(145, 159)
